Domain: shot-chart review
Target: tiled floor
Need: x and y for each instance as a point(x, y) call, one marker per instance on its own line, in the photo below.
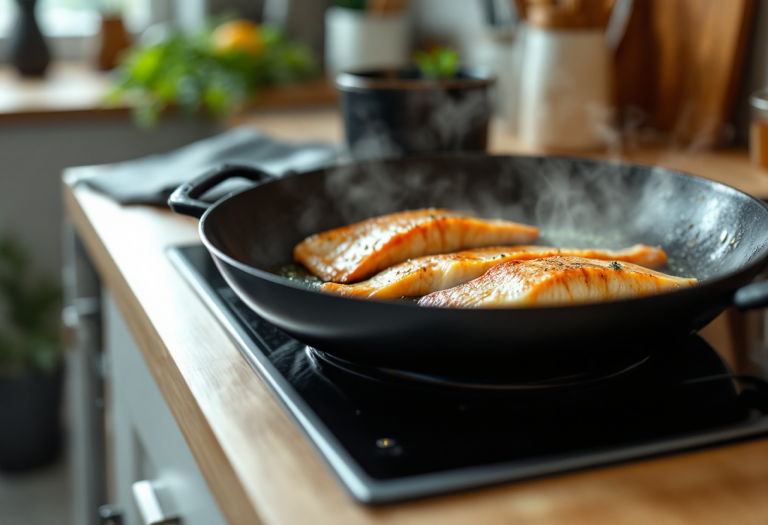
point(42, 497)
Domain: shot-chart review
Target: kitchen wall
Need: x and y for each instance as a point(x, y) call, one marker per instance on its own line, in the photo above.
point(462, 24)
point(248, 8)
point(34, 152)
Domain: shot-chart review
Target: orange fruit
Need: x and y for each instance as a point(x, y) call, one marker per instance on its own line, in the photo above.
point(240, 35)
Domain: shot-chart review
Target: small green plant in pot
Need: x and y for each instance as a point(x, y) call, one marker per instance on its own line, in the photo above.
point(30, 362)
point(438, 63)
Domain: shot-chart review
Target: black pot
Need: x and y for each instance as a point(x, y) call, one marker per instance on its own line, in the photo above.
point(30, 427)
point(397, 112)
point(28, 50)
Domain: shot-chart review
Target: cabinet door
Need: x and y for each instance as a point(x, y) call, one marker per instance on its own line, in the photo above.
point(146, 443)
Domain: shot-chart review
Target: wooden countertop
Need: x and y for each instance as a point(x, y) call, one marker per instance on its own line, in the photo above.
point(76, 89)
point(259, 466)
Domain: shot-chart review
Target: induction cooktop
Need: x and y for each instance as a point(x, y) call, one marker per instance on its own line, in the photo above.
point(392, 435)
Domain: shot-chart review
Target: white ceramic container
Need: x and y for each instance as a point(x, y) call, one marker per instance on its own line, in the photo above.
point(356, 40)
point(565, 94)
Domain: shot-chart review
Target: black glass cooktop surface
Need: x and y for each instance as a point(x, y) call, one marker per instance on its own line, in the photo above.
point(391, 435)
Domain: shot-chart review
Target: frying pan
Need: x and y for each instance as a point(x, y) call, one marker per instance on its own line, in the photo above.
point(710, 231)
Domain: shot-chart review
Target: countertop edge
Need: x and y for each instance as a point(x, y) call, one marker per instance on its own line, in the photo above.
point(224, 483)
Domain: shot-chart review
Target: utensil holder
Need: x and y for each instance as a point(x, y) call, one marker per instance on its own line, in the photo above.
point(758, 128)
point(565, 99)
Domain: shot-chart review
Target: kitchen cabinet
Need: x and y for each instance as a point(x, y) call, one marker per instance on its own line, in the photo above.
point(112, 393)
point(147, 445)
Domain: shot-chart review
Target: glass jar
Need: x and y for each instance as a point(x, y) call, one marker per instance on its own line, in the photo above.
point(758, 128)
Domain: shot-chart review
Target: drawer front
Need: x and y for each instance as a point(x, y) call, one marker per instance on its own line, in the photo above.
point(146, 442)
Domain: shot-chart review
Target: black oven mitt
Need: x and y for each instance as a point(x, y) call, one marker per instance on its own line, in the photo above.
point(151, 180)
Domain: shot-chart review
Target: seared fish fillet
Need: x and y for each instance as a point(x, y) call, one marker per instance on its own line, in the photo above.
point(354, 252)
point(433, 273)
point(555, 281)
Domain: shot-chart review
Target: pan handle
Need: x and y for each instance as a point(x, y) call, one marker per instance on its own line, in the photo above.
point(184, 200)
point(751, 296)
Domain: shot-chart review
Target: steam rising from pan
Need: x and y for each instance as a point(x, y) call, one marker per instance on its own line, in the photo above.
point(395, 113)
point(575, 203)
point(445, 122)
point(562, 199)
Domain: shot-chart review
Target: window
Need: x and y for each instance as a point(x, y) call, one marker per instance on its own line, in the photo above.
point(7, 14)
point(64, 18)
point(67, 17)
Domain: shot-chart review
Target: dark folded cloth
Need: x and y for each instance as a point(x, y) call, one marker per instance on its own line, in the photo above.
point(151, 180)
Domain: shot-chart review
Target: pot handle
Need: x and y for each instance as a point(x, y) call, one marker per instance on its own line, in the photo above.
point(184, 200)
point(751, 296)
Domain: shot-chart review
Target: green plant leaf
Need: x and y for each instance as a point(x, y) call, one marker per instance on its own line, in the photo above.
point(186, 72)
point(30, 306)
point(145, 66)
point(438, 63)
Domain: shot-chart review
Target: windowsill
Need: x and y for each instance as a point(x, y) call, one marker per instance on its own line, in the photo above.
point(64, 48)
point(73, 89)
point(68, 88)
point(54, 37)
point(58, 23)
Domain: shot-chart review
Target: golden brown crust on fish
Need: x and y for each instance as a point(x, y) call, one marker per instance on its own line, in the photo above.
point(555, 281)
point(360, 250)
point(433, 273)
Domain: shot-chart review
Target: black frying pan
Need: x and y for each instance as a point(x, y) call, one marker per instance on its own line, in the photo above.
point(709, 231)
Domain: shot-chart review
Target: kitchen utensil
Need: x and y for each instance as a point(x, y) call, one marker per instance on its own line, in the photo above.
point(709, 231)
point(618, 20)
point(395, 112)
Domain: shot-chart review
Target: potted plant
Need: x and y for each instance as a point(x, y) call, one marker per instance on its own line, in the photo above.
point(217, 71)
point(30, 362)
point(436, 105)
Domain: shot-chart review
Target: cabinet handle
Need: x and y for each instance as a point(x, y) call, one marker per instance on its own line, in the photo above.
point(149, 506)
point(111, 514)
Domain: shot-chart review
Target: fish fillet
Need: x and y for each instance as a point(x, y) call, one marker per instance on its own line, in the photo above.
point(555, 281)
point(358, 251)
point(433, 273)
